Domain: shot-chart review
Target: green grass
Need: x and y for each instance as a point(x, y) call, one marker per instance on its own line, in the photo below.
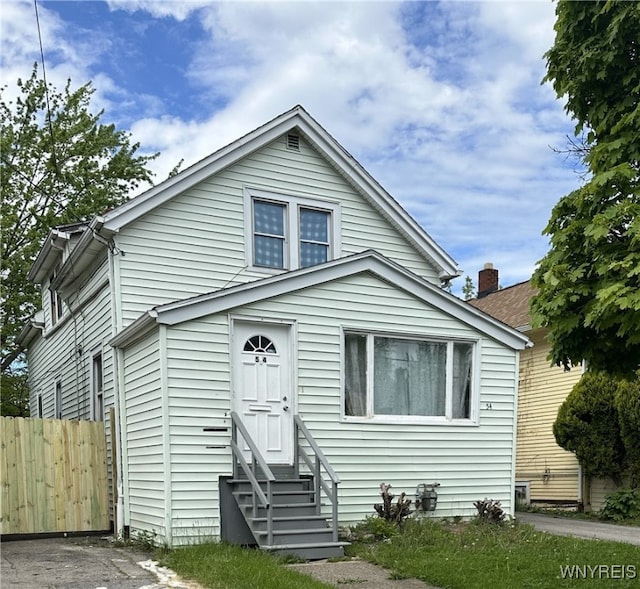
point(221, 566)
point(510, 556)
point(446, 555)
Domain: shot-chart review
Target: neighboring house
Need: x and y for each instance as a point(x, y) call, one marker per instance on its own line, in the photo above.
point(550, 474)
point(275, 286)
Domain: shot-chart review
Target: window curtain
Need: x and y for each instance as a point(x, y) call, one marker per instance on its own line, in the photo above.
point(355, 393)
point(462, 363)
point(409, 377)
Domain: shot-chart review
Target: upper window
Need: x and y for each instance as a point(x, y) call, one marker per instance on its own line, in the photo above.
point(56, 303)
point(417, 379)
point(285, 232)
point(97, 386)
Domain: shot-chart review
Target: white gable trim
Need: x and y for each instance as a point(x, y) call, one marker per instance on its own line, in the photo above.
point(273, 286)
point(315, 134)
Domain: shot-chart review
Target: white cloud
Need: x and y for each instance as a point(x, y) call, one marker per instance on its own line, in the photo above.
point(442, 102)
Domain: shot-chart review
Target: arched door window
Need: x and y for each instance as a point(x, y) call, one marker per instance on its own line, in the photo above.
point(260, 344)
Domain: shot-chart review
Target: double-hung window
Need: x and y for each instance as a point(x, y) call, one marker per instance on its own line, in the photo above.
point(97, 381)
point(407, 378)
point(269, 235)
point(55, 301)
point(287, 232)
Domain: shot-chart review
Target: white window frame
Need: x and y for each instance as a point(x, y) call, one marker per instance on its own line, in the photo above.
point(94, 391)
point(57, 398)
point(446, 419)
point(292, 205)
point(55, 303)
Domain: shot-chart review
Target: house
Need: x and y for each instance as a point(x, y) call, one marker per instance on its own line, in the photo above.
point(546, 473)
point(273, 313)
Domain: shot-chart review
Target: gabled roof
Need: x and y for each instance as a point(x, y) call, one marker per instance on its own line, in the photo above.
point(51, 250)
point(300, 121)
point(509, 305)
point(369, 261)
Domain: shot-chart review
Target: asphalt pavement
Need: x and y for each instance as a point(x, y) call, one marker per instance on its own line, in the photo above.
point(72, 563)
point(581, 528)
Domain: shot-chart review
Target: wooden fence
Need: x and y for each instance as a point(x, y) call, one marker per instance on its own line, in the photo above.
point(53, 476)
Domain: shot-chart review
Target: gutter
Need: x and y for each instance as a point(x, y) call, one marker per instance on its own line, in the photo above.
point(135, 330)
point(80, 257)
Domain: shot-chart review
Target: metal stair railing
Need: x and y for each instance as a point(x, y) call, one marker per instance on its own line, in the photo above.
point(240, 464)
point(319, 460)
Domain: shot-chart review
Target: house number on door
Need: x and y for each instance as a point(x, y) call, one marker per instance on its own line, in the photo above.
point(488, 406)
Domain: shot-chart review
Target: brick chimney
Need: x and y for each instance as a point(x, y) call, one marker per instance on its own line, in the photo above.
point(487, 280)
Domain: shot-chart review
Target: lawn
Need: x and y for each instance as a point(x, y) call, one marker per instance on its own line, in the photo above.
point(479, 556)
point(447, 555)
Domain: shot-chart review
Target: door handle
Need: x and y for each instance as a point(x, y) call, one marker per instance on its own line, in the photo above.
point(285, 408)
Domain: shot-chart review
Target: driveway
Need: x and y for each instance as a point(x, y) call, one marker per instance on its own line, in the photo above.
point(580, 528)
point(73, 563)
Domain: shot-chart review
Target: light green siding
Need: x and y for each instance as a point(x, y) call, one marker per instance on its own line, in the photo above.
point(143, 449)
point(195, 243)
point(470, 462)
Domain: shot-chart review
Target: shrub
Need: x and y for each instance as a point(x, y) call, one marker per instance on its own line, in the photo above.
point(587, 425)
point(394, 512)
point(622, 505)
point(627, 402)
point(490, 511)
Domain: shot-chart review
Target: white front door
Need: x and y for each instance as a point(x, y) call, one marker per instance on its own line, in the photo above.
point(261, 359)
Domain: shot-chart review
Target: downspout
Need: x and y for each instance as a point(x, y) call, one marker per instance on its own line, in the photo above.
point(118, 392)
point(514, 435)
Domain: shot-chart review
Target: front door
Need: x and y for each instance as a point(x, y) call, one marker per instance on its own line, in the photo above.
point(261, 358)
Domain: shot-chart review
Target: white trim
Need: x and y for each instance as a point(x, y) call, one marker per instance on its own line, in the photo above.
point(447, 418)
point(514, 434)
point(93, 354)
point(57, 398)
point(368, 261)
point(299, 120)
point(292, 369)
point(293, 204)
point(166, 433)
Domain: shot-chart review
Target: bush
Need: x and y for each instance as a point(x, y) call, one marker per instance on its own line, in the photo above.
point(622, 505)
point(587, 425)
point(627, 402)
point(394, 512)
point(490, 511)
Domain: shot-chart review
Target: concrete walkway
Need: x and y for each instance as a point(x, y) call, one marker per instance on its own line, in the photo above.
point(581, 528)
point(357, 573)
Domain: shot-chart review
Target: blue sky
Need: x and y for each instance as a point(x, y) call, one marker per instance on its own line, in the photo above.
point(441, 101)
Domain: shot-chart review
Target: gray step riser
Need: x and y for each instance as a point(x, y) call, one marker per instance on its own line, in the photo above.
point(306, 524)
point(282, 511)
point(310, 537)
point(276, 487)
point(313, 553)
point(246, 499)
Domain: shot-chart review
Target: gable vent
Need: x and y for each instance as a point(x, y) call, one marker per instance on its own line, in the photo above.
point(293, 142)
